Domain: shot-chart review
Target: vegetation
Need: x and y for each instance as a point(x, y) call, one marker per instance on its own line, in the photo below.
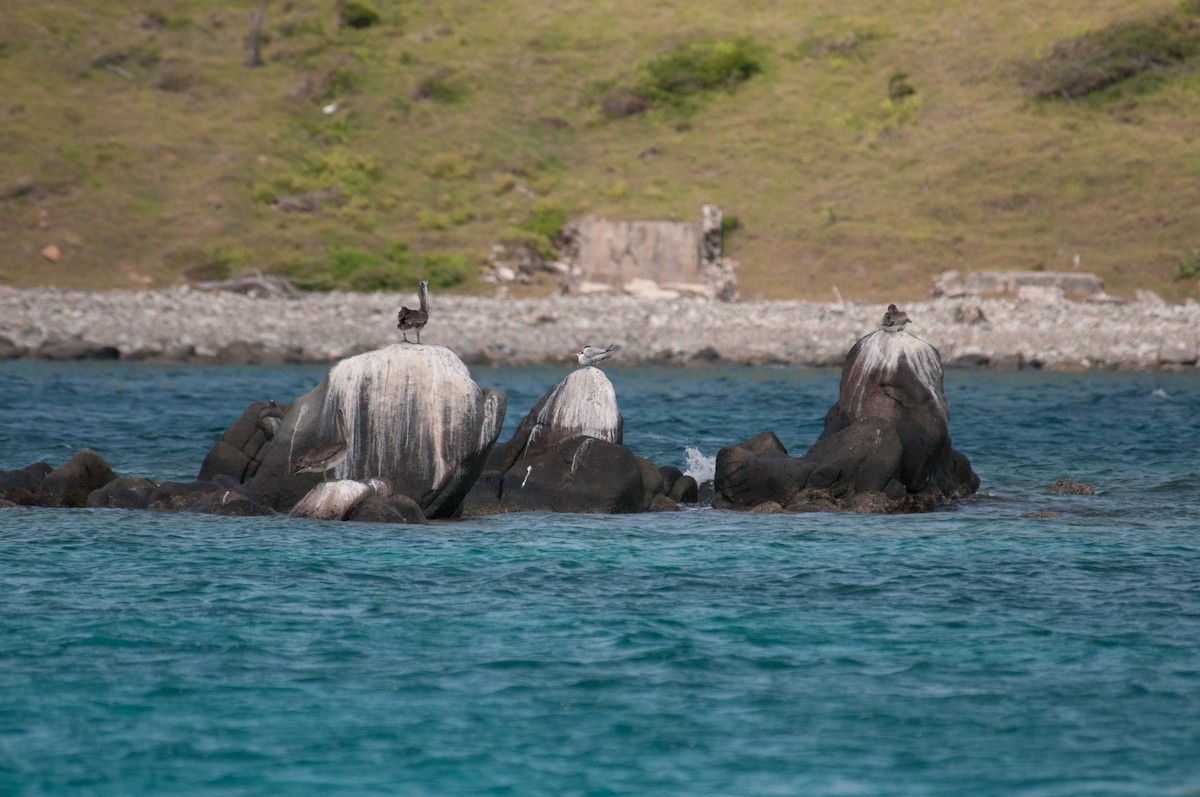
point(850, 144)
point(1085, 64)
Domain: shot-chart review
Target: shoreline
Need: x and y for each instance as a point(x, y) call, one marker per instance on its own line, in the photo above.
point(188, 325)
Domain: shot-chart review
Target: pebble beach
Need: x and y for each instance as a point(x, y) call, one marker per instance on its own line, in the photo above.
point(191, 325)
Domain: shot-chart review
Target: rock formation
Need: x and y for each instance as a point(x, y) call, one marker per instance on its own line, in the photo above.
point(885, 446)
point(567, 456)
point(414, 418)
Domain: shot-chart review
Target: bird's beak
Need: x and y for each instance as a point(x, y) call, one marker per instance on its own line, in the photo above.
point(575, 353)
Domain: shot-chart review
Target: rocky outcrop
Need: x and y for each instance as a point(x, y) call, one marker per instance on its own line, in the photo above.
point(126, 492)
point(24, 486)
point(240, 451)
point(370, 501)
point(567, 456)
point(71, 484)
point(414, 419)
point(885, 446)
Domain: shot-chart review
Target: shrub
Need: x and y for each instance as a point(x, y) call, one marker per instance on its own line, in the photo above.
point(545, 219)
point(358, 14)
point(899, 88)
point(1188, 267)
point(441, 85)
point(1094, 61)
point(687, 70)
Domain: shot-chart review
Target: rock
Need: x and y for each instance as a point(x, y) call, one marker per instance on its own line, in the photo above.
point(181, 496)
point(969, 313)
point(767, 508)
point(332, 500)
point(10, 350)
point(52, 253)
point(24, 486)
point(241, 352)
point(885, 446)
point(661, 503)
point(415, 420)
point(1066, 486)
point(127, 492)
point(585, 403)
point(567, 456)
point(678, 486)
point(71, 484)
point(1178, 354)
point(583, 475)
point(233, 501)
point(387, 509)
point(240, 451)
point(68, 350)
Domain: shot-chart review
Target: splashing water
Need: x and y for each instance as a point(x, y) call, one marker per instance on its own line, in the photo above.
point(699, 467)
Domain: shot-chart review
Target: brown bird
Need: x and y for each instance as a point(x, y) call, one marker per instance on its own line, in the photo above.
point(325, 458)
point(408, 319)
point(894, 319)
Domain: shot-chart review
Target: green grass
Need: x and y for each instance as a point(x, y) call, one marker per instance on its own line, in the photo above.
point(858, 145)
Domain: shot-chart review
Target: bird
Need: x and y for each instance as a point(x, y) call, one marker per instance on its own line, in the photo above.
point(894, 319)
point(590, 355)
point(323, 459)
point(408, 319)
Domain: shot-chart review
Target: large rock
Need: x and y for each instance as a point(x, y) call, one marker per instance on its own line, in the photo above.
point(24, 486)
point(885, 446)
point(567, 456)
point(71, 484)
point(240, 451)
point(414, 419)
point(585, 403)
point(127, 492)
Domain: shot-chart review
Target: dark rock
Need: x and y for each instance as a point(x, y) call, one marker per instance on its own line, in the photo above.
point(387, 509)
point(74, 350)
point(1066, 486)
point(660, 503)
point(566, 456)
point(414, 419)
point(181, 496)
point(583, 475)
point(71, 484)
point(240, 451)
point(10, 350)
point(127, 492)
point(24, 486)
point(885, 446)
point(758, 470)
point(5, 504)
point(767, 508)
point(231, 502)
point(678, 486)
point(241, 352)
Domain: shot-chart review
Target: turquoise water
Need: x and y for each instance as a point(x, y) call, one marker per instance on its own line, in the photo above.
point(969, 652)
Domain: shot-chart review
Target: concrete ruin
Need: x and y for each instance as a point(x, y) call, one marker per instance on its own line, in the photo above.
point(652, 259)
point(1045, 287)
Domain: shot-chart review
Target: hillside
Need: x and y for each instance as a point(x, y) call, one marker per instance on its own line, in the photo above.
point(869, 146)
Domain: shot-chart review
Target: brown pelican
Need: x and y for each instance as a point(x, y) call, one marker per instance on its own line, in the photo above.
point(894, 319)
point(323, 459)
point(590, 355)
point(408, 319)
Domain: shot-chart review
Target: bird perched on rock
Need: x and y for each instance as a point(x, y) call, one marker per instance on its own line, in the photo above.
point(408, 319)
point(590, 355)
point(325, 458)
point(894, 319)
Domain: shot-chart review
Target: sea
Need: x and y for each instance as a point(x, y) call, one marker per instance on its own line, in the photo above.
point(1017, 643)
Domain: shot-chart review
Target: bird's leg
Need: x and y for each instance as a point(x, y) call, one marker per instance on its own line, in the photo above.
point(418, 337)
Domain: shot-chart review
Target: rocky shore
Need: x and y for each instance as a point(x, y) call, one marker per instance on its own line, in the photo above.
point(191, 325)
